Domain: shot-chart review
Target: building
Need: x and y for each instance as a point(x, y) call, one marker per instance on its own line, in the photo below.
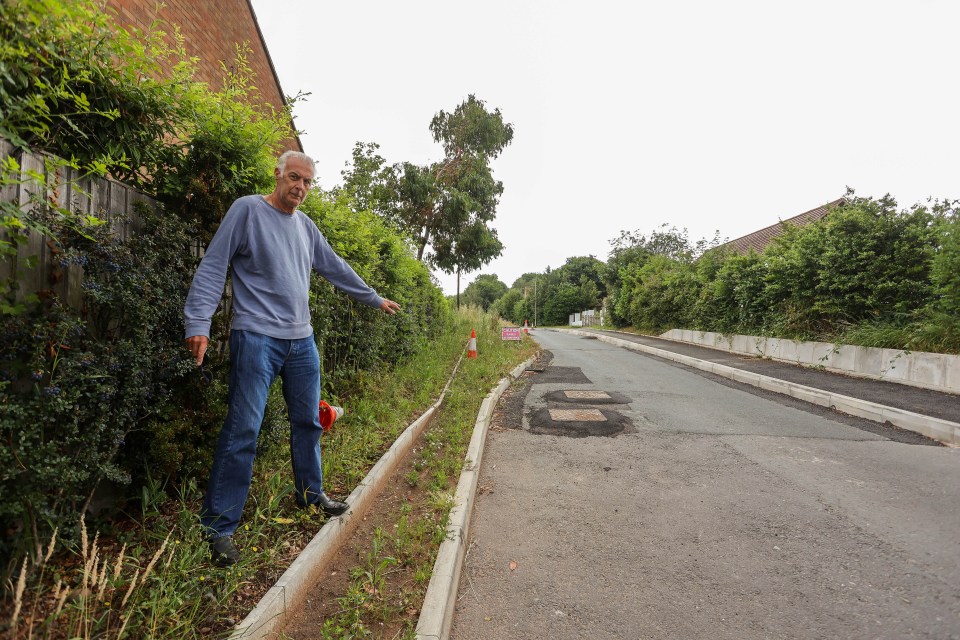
point(759, 240)
point(211, 31)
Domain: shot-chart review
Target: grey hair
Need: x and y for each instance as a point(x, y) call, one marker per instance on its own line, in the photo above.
point(296, 155)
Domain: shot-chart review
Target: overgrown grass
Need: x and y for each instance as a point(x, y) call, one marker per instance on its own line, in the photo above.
point(410, 547)
point(149, 576)
point(935, 333)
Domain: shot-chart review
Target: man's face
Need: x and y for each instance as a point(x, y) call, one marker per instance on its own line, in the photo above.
point(293, 184)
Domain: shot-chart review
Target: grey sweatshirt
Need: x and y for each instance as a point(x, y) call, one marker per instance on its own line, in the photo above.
point(271, 253)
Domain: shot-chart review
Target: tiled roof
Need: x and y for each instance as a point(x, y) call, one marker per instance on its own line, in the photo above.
point(758, 240)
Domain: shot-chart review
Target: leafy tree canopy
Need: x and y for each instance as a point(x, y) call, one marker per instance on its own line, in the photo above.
point(484, 291)
point(370, 182)
point(588, 274)
point(448, 205)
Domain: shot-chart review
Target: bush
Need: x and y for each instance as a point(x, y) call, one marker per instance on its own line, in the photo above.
point(864, 260)
point(126, 104)
point(82, 387)
point(352, 336)
point(946, 267)
point(108, 391)
point(867, 273)
point(732, 299)
point(75, 86)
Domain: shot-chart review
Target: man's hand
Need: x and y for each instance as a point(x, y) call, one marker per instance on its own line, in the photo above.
point(390, 306)
point(198, 346)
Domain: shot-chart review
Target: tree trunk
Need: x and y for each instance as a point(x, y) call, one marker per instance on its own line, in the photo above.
point(428, 215)
point(423, 245)
point(458, 289)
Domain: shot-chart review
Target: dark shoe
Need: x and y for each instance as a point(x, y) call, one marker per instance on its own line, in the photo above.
point(330, 507)
point(224, 552)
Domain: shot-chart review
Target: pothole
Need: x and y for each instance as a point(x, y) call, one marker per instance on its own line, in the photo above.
point(578, 423)
point(583, 394)
point(586, 396)
point(564, 375)
point(576, 415)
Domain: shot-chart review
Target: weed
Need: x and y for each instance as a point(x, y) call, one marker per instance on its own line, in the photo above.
point(412, 478)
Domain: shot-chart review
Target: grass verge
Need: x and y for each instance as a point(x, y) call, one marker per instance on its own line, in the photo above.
point(375, 586)
point(149, 575)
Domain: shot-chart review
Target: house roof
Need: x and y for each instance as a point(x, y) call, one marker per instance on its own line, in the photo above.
point(759, 240)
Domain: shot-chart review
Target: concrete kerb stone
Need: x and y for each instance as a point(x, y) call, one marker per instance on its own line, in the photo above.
point(943, 430)
point(519, 369)
point(436, 615)
point(293, 586)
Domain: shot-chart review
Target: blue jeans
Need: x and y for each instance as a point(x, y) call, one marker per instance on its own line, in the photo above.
point(256, 361)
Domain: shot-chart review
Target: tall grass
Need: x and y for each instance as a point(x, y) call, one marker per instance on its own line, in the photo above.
point(935, 333)
point(100, 596)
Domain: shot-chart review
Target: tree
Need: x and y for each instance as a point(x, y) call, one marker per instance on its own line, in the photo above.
point(588, 275)
point(564, 301)
point(449, 204)
point(369, 181)
point(504, 306)
point(474, 247)
point(484, 291)
point(521, 311)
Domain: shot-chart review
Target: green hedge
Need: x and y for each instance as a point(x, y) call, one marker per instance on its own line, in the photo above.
point(353, 336)
point(80, 387)
point(868, 273)
point(109, 391)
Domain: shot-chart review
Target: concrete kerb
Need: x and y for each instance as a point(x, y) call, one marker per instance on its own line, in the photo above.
point(292, 587)
point(296, 582)
point(943, 430)
point(436, 615)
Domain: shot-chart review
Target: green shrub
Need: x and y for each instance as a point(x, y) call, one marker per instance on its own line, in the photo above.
point(75, 86)
point(946, 266)
point(732, 298)
point(867, 273)
point(352, 336)
point(108, 392)
point(126, 104)
point(82, 387)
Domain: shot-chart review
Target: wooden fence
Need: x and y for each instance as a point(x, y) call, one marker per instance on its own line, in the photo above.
point(35, 268)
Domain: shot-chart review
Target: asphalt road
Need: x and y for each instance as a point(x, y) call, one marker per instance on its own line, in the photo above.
point(706, 509)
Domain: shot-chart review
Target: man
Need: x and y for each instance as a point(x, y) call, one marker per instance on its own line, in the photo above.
point(271, 247)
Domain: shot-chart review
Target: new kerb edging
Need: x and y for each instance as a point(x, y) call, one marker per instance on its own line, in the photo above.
point(436, 615)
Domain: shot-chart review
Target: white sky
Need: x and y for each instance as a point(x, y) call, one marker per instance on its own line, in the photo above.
point(702, 114)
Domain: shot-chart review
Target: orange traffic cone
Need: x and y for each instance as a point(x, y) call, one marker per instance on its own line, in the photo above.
point(328, 415)
point(472, 347)
point(526, 329)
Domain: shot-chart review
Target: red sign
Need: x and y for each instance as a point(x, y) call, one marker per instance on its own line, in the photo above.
point(510, 333)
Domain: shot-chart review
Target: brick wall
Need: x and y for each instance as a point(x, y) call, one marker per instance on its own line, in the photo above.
point(211, 29)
